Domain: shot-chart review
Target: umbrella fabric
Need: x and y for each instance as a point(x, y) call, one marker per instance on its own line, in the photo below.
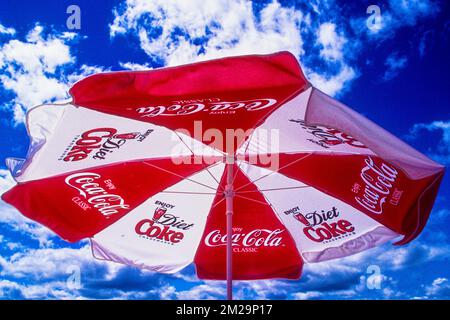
point(137, 163)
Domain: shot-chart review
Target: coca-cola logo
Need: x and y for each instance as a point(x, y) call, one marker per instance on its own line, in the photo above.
point(213, 107)
point(163, 226)
point(246, 242)
point(324, 226)
point(92, 193)
point(99, 142)
point(378, 181)
point(327, 137)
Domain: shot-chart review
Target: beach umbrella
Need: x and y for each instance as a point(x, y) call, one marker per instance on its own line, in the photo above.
point(238, 165)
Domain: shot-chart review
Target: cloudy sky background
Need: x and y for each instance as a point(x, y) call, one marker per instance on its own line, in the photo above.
point(395, 73)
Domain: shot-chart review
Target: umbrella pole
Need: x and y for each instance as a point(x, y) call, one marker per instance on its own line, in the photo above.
point(229, 194)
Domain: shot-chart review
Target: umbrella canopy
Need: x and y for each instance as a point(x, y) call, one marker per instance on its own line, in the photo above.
point(239, 165)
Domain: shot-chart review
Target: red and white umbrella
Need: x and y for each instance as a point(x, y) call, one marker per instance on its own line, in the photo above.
point(238, 165)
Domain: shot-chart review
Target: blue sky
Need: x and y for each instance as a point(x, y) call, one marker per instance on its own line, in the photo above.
point(395, 74)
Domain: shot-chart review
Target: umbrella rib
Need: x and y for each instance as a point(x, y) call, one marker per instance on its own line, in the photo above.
point(218, 202)
point(258, 124)
point(236, 195)
point(188, 192)
point(273, 189)
point(237, 171)
point(254, 200)
point(245, 151)
point(219, 186)
point(275, 171)
point(218, 183)
point(180, 176)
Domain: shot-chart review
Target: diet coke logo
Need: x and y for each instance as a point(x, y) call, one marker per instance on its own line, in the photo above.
point(378, 182)
point(213, 107)
point(93, 194)
point(246, 241)
point(100, 142)
point(163, 226)
point(319, 226)
point(327, 137)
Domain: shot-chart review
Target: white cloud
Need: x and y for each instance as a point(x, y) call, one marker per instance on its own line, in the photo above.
point(224, 28)
point(348, 277)
point(394, 63)
point(441, 151)
point(6, 180)
point(13, 245)
point(48, 273)
point(307, 295)
point(398, 14)
point(27, 68)
point(33, 69)
point(440, 288)
point(413, 254)
point(331, 42)
point(45, 263)
point(409, 11)
point(82, 72)
point(135, 66)
point(6, 30)
point(332, 45)
point(25, 226)
point(39, 273)
point(202, 291)
point(173, 33)
point(50, 290)
point(334, 84)
point(425, 40)
point(263, 289)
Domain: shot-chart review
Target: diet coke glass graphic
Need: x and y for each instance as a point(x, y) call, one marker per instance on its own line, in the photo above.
point(300, 217)
point(159, 212)
point(127, 136)
point(333, 142)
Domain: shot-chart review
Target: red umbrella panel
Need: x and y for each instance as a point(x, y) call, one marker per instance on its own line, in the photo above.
point(238, 165)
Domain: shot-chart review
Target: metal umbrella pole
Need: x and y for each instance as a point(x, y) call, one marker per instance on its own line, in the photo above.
point(229, 194)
